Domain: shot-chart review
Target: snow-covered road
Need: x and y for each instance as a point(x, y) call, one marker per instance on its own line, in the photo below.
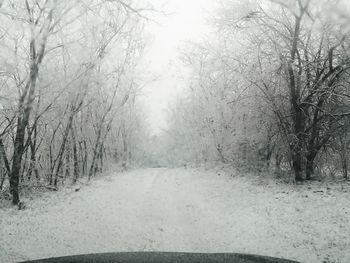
point(180, 210)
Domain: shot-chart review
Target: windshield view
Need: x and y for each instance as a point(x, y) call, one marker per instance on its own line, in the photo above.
point(175, 131)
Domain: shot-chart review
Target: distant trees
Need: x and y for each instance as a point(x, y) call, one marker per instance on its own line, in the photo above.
point(68, 73)
point(283, 68)
point(214, 121)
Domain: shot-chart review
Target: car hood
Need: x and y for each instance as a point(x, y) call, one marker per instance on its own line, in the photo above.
point(163, 257)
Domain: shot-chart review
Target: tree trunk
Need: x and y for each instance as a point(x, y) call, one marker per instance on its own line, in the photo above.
point(101, 158)
point(2, 177)
point(125, 149)
point(60, 161)
point(93, 166)
point(67, 166)
point(85, 157)
point(296, 111)
point(32, 146)
point(75, 157)
point(63, 144)
point(24, 109)
point(343, 157)
point(17, 158)
point(309, 169)
point(16, 167)
point(345, 168)
point(4, 157)
point(297, 166)
point(98, 147)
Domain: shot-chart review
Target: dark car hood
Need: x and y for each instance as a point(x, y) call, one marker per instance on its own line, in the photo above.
point(163, 257)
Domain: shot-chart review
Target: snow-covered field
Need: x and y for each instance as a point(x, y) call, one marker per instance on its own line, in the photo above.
point(183, 210)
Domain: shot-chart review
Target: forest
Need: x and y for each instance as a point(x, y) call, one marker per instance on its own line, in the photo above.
point(68, 90)
point(268, 91)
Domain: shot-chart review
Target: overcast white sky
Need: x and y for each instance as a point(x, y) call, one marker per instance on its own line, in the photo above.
point(187, 21)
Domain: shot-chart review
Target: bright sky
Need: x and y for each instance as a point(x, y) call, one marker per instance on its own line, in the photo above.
point(187, 21)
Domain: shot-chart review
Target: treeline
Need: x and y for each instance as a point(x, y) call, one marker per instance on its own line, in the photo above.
point(69, 86)
point(271, 89)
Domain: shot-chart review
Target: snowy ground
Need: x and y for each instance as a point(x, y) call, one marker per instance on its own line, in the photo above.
point(183, 210)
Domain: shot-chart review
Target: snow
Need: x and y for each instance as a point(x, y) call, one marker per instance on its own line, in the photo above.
point(188, 210)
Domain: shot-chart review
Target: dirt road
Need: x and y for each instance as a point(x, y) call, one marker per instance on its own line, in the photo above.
point(179, 210)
